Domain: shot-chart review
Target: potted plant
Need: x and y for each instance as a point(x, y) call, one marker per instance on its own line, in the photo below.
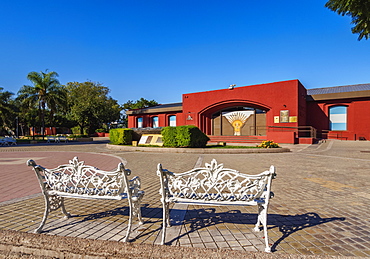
point(100, 132)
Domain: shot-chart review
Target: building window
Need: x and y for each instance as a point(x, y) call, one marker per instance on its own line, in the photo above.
point(140, 122)
point(155, 122)
point(338, 117)
point(172, 120)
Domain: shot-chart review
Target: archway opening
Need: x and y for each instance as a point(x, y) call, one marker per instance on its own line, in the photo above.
point(239, 121)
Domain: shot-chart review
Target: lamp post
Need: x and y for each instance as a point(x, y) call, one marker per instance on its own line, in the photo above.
point(16, 129)
point(33, 127)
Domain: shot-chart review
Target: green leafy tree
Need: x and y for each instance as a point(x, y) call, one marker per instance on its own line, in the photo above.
point(139, 104)
point(358, 10)
point(46, 95)
point(7, 110)
point(89, 105)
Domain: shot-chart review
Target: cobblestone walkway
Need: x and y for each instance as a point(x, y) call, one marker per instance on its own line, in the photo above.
point(321, 204)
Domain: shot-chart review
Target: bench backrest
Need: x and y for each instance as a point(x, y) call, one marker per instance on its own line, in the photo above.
point(216, 183)
point(79, 179)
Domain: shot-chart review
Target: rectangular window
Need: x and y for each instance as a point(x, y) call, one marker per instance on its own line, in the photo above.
point(338, 117)
point(139, 122)
point(172, 121)
point(155, 122)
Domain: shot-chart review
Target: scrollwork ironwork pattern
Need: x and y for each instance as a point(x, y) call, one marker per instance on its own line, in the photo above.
point(217, 185)
point(55, 202)
point(78, 180)
point(214, 182)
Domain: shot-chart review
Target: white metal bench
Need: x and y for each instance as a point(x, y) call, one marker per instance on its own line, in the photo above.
point(62, 138)
point(7, 141)
point(51, 138)
point(76, 180)
point(216, 185)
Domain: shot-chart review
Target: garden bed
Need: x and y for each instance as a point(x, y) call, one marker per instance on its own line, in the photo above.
point(206, 150)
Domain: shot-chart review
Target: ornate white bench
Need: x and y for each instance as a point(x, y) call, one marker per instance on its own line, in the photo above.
point(7, 141)
point(51, 139)
point(76, 180)
point(62, 138)
point(216, 185)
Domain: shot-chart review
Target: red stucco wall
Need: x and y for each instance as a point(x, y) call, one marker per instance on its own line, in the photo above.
point(358, 118)
point(291, 95)
point(273, 97)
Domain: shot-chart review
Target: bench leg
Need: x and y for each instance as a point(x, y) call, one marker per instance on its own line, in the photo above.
point(166, 220)
point(137, 209)
point(262, 219)
point(129, 226)
point(46, 213)
point(63, 208)
point(134, 211)
point(52, 203)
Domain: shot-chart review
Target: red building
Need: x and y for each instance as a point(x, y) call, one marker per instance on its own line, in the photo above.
point(285, 112)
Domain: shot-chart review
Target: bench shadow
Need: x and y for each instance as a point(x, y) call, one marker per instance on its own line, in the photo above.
point(146, 212)
point(287, 224)
point(122, 211)
point(206, 217)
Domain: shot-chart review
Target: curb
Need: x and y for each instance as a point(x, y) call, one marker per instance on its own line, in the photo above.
point(198, 150)
point(14, 244)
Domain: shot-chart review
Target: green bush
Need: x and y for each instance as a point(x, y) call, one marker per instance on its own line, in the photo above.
point(77, 136)
point(169, 136)
point(120, 136)
point(184, 136)
point(77, 131)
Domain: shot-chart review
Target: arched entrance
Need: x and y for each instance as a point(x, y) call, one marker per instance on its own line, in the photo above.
point(239, 121)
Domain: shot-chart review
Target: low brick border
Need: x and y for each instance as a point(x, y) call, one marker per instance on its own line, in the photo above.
point(198, 150)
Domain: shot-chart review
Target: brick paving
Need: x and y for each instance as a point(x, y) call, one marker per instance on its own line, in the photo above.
point(321, 202)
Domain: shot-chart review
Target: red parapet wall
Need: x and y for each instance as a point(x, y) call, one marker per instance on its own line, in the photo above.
point(282, 137)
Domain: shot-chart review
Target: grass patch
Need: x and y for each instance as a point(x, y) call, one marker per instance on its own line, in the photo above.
point(149, 146)
point(207, 147)
point(234, 147)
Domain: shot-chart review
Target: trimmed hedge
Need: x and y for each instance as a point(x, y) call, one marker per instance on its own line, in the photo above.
point(169, 136)
point(120, 136)
point(184, 136)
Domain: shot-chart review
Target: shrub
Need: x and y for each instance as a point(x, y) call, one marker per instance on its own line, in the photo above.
point(169, 136)
point(77, 136)
point(268, 144)
point(197, 137)
point(120, 136)
point(184, 136)
point(77, 131)
point(99, 130)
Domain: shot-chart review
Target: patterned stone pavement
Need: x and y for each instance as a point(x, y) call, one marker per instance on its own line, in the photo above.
point(321, 202)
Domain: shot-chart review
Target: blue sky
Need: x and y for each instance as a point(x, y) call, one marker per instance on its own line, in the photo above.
point(161, 49)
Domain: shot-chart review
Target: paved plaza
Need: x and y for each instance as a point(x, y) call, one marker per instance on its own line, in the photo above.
point(321, 205)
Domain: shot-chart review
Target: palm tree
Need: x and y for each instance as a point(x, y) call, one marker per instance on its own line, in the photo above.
point(6, 108)
point(358, 10)
point(46, 93)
